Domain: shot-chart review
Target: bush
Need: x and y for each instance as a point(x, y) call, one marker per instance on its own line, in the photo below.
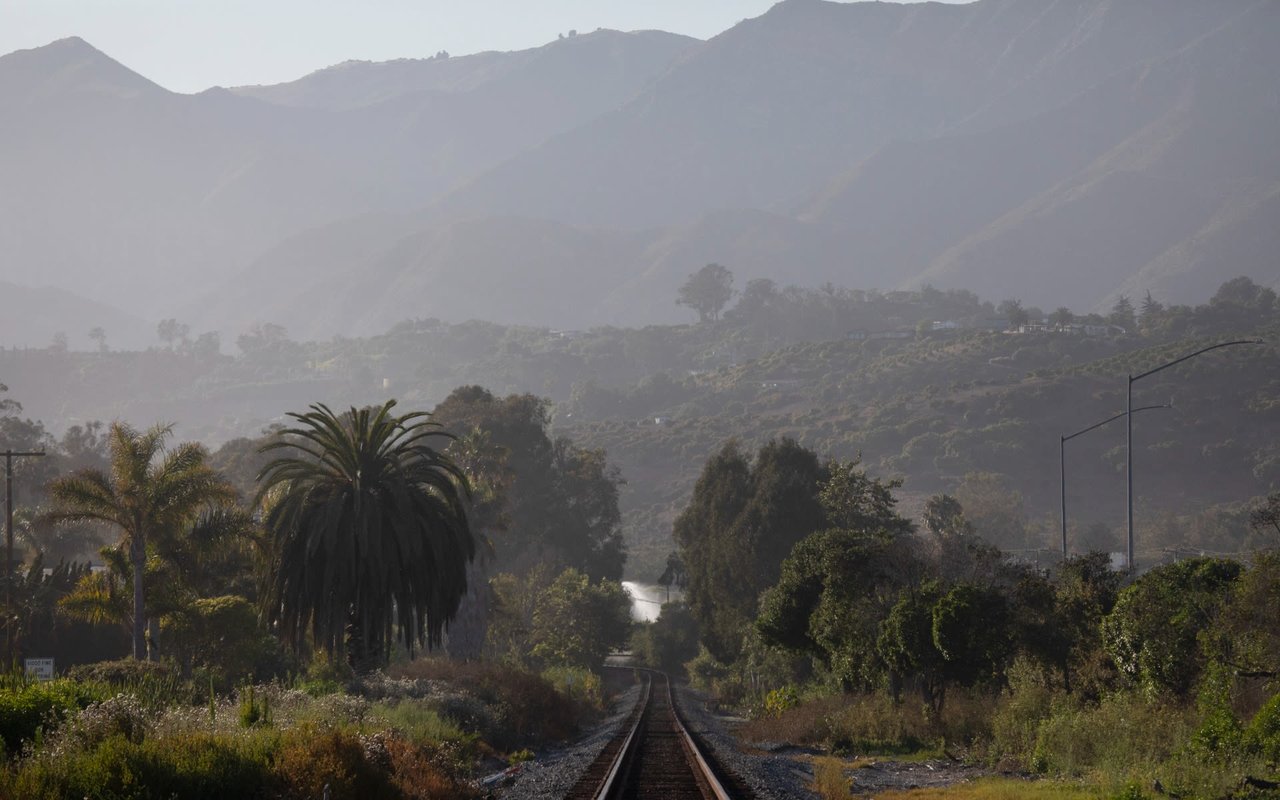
point(427, 772)
point(126, 671)
point(1263, 734)
point(524, 707)
point(121, 715)
point(156, 684)
point(780, 700)
point(310, 759)
point(326, 675)
point(417, 722)
point(1015, 723)
point(27, 706)
point(193, 766)
point(579, 685)
point(1126, 737)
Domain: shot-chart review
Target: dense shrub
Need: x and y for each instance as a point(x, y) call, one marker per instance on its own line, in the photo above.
point(427, 771)
point(193, 766)
point(524, 707)
point(1263, 734)
point(26, 706)
point(124, 672)
point(309, 760)
point(1124, 736)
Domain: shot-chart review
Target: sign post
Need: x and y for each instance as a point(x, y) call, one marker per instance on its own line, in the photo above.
point(39, 668)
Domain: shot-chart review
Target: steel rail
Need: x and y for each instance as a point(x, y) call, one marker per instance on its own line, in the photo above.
point(625, 755)
point(621, 777)
point(691, 748)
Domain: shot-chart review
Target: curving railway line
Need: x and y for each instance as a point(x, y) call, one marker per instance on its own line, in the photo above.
point(655, 756)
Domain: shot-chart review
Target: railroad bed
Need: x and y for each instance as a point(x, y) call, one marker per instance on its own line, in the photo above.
point(654, 756)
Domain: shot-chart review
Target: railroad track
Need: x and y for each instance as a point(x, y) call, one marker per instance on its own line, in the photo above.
point(654, 756)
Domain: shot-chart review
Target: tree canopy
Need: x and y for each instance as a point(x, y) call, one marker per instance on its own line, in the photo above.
point(707, 291)
point(369, 534)
point(149, 493)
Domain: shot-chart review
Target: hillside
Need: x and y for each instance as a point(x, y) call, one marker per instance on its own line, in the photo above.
point(933, 407)
point(118, 189)
point(1059, 152)
point(34, 316)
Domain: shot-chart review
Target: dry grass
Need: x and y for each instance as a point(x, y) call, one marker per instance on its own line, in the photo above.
point(1000, 789)
point(871, 724)
point(829, 779)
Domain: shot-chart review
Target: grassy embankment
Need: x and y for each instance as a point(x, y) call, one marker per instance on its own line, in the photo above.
point(427, 730)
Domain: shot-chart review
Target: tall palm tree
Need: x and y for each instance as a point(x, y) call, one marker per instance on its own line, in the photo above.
point(369, 535)
point(149, 491)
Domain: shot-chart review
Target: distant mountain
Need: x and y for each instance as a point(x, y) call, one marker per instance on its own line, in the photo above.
point(1060, 151)
point(147, 198)
point(605, 65)
point(765, 111)
point(1185, 154)
point(32, 317)
point(356, 276)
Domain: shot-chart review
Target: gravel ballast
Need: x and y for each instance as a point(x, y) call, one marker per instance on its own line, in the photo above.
point(553, 773)
point(769, 776)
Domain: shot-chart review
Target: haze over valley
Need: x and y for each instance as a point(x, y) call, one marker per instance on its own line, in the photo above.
point(917, 365)
point(1062, 153)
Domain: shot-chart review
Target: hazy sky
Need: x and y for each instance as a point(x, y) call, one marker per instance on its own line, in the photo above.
point(190, 45)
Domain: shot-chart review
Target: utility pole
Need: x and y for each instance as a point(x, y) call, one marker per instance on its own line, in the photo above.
point(1062, 462)
point(9, 456)
point(1128, 447)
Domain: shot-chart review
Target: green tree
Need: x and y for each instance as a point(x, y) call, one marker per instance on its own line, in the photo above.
point(707, 291)
point(944, 517)
point(972, 632)
point(222, 634)
point(560, 502)
point(1243, 293)
point(1122, 314)
point(577, 623)
point(1085, 591)
point(701, 531)
point(1266, 515)
point(148, 492)
point(1013, 311)
point(1062, 317)
point(170, 331)
point(673, 575)
point(1246, 636)
point(905, 643)
point(855, 501)
point(670, 640)
point(1153, 632)
point(739, 526)
point(369, 535)
point(839, 584)
point(759, 302)
point(1150, 307)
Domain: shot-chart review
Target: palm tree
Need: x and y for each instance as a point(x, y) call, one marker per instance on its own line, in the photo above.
point(149, 492)
point(368, 532)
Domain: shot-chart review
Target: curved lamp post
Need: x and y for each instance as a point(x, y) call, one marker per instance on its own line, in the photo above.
point(1062, 461)
point(1128, 446)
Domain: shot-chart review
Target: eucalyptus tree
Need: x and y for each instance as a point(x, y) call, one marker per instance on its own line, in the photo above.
point(367, 532)
point(148, 491)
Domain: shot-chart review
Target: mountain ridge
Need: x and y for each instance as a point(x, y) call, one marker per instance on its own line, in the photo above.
point(1061, 152)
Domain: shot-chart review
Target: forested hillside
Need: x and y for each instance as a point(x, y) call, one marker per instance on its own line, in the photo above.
point(976, 406)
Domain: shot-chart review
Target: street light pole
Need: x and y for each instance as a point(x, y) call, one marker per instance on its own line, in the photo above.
point(1128, 456)
point(1062, 460)
point(9, 456)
